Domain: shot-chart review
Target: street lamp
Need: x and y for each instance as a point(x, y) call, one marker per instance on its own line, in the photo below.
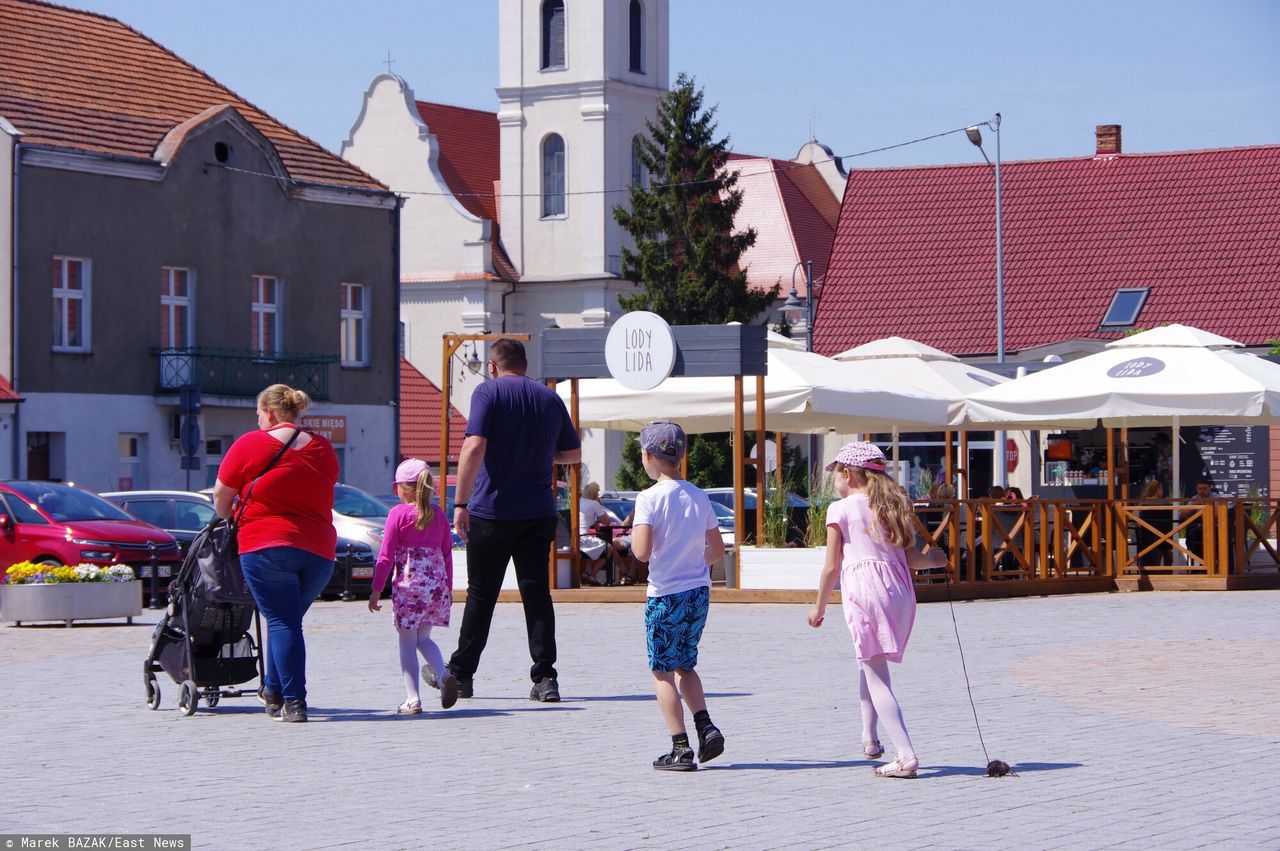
point(975, 136)
point(793, 306)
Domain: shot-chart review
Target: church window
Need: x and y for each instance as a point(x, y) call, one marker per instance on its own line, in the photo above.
point(553, 176)
point(552, 34)
point(638, 176)
point(637, 37)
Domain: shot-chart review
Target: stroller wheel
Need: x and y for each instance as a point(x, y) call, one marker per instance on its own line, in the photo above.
point(188, 698)
point(153, 691)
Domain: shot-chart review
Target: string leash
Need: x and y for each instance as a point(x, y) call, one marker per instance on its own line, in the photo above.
point(995, 767)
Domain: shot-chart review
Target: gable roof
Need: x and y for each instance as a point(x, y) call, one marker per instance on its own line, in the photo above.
point(420, 418)
point(7, 393)
point(915, 249)
point(794, 213)
point(470, 165)
point(86, 82)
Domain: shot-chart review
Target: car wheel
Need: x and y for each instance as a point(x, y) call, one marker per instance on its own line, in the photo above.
point(49, 561)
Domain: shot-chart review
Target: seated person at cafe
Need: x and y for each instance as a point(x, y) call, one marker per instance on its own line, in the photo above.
point(1162, 521)
point(594, 549)
point(621, 553)
point(1195, 532)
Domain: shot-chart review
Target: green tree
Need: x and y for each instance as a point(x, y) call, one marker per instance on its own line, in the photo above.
point(1275, 347)
point(686, 254)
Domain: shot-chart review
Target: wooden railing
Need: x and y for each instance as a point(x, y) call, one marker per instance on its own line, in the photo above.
point(1058, 539)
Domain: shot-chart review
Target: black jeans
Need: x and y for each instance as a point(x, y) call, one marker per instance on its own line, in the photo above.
point(491, 544)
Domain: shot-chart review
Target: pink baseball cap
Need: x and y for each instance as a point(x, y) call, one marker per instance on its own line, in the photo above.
point(409, 471)
point(859, 453)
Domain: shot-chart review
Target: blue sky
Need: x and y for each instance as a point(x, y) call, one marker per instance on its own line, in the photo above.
point(1177, 75)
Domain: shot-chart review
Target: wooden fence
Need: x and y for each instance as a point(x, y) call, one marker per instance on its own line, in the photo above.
point(1055, 542)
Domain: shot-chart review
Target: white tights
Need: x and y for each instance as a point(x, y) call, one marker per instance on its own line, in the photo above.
point(413, 641)
point(879, 703)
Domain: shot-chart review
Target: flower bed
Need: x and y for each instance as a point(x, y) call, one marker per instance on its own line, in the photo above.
point(40, 592)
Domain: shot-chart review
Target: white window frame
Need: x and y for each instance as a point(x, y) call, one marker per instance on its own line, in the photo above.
point(360, 318)
point(82, 295)
point(169, 302)
point(263, 311)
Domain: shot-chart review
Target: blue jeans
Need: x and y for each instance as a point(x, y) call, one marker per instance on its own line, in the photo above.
point(285, 581)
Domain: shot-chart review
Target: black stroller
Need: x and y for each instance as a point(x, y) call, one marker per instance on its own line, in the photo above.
point(203, 641)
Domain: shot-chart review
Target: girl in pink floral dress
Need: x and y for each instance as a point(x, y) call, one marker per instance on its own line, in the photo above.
point(417, 553)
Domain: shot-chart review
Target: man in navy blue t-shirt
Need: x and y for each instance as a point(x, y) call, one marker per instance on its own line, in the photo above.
point(505, 509)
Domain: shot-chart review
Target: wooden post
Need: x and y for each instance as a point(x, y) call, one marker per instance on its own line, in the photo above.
point(962, 478)
point(575, 494)
point(739, 437)
point(947, 463)
point(451, 344)
point(777, 439)
point(761, 466)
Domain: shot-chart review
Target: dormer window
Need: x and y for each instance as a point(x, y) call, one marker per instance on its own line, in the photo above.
point(552, 35)
point(1126, 304)
point(636, 15)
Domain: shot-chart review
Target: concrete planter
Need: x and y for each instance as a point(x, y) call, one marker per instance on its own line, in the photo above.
point(71, 601)
point(780, 567)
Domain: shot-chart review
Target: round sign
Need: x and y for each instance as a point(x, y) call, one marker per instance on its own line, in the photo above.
point(640, 350)
point(1011, 455)
point(1136, 368)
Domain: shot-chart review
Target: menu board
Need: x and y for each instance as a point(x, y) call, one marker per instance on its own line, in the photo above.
point(1234, 458)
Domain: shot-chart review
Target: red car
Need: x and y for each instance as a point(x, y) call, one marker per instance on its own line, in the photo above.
point(53, 523)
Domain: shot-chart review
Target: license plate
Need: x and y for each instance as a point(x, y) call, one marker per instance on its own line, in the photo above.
point(362, 573)
point(144, 571)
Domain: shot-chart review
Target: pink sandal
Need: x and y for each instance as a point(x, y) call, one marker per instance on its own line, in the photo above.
point(903, 769)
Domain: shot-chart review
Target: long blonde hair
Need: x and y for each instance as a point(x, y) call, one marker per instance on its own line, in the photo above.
point(284, 401)
point(423, 490)
point(889, 503)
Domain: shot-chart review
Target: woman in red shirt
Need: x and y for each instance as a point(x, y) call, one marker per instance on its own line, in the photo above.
point(286, 534)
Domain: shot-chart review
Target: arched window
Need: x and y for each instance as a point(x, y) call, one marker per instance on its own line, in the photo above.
point(552, 34)
point(553, 176)
point(637, 37)
point(637, 166)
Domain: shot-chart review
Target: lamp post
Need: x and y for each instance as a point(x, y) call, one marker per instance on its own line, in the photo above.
point(975, 136)
point(453, 342)
point(791, 309)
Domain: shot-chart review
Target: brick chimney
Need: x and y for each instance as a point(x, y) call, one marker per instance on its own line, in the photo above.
point(1108, 137)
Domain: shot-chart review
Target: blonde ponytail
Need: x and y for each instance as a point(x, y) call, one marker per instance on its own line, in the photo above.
point(423, 490)
point(892, 508)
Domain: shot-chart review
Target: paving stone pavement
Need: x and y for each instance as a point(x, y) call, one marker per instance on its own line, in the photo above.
point(1144, 720)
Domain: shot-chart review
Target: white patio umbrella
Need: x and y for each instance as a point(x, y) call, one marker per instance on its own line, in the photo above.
point(804, 392)
point(1176, 375)
point(942, 375)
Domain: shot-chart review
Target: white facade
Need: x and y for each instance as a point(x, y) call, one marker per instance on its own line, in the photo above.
point(100, 460)
point(567, 265)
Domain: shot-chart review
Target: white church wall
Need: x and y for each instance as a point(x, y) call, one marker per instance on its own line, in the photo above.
point(390, 142)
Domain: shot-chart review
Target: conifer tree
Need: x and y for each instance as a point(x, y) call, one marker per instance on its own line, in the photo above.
point(687, 254)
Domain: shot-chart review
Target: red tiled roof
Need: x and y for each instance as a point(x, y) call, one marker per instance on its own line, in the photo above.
point(420, 418)
point(86, 82)
point(794, 213)
point(915, 251)
point(469, 163)
point(7, 393)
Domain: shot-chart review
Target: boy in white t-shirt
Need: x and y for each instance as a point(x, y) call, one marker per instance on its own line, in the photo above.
point(677, 533)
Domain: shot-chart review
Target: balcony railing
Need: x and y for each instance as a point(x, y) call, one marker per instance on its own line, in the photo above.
point(230, 372)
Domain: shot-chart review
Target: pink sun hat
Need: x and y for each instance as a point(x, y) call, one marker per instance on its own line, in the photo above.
point(859, 453)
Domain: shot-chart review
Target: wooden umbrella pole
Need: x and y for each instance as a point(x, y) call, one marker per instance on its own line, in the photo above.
point(739, 515)
point(947, 464)
point(761, 466)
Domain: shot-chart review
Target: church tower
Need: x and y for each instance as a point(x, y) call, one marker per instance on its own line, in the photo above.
point(577, 81)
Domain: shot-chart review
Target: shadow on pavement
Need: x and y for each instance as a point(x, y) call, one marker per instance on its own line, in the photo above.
point(786, 766)
point(978, 771)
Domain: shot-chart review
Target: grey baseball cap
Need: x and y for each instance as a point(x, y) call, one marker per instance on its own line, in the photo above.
point(663, 440)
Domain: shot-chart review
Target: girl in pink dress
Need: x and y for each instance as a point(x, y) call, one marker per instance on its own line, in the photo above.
point(417, 553)
point(870, 548)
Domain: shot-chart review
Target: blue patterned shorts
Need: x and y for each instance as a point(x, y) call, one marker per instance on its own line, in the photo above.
point(674, 626)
